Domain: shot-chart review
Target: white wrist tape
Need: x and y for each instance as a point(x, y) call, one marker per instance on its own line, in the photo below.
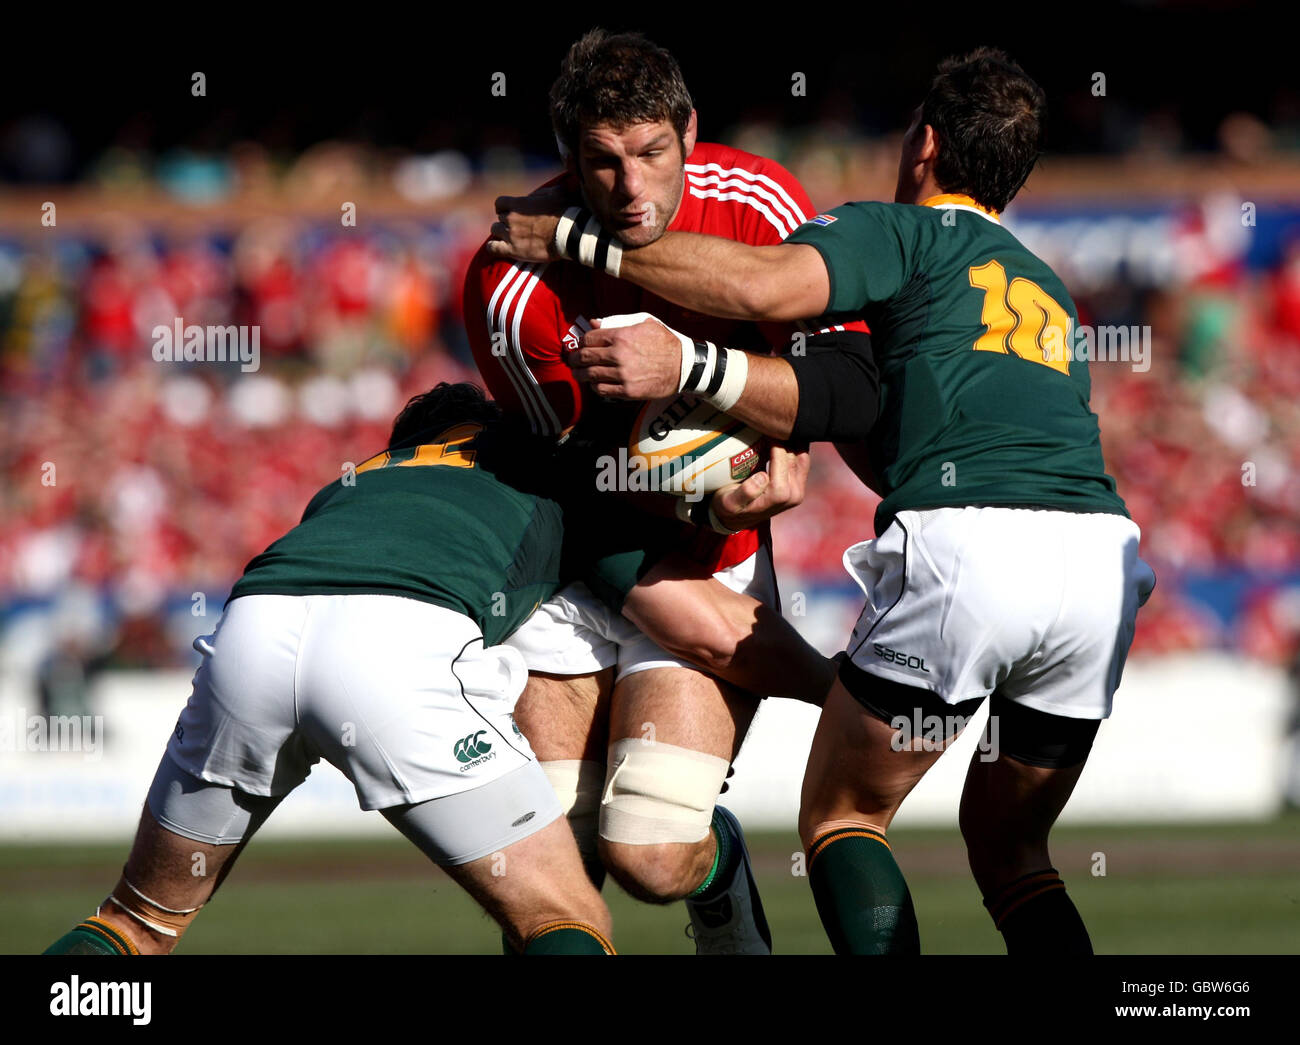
point(717, 524)
point(629, 319)
point(581, 238)
point(701, 513)
point(716, 375)
point(688, 360)
point(632, 318)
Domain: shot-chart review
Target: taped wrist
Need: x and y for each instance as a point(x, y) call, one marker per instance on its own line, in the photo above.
point(701, 513)
point(716, 375)
point(581, 238)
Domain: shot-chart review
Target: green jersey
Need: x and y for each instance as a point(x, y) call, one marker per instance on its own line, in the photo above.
point(433, 522)
point(984, 400)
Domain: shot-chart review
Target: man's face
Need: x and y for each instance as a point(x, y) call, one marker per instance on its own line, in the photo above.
point(633, 177)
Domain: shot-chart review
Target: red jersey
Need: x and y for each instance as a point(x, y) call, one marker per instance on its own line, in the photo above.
point(544, 309)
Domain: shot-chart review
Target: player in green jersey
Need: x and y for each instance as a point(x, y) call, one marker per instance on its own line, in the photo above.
point(370, 635)
point(1006, 566)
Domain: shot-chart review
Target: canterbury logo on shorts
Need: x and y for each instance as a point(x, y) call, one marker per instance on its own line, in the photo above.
point(472, 747)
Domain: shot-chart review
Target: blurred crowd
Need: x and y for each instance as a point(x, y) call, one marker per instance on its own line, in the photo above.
point(134, 491)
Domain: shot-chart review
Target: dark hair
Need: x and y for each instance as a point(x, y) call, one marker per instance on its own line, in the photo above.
point(433, 412)
point(620, 80)
point(989, 116)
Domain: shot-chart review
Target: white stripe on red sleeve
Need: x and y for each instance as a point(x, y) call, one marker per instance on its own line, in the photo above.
point(771, 191)
point(550, 423)
point(515, 368)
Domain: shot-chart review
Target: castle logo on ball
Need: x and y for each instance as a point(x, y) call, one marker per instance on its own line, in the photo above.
point(744, 463)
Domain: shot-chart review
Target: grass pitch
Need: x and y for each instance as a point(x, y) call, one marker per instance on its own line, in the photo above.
point(1185, 889)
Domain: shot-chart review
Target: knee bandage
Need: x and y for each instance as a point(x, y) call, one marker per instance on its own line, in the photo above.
point(168, 921)
point(578, 784)
point(657, 793)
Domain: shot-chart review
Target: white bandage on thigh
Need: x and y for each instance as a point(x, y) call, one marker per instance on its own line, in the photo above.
point(658, 793)
point(578, 784)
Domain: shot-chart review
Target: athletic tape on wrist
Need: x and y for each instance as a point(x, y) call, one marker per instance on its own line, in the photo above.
point(701, 513)
point(689, 352)
point(581, 238)
point(715, 522)
point(716, 375)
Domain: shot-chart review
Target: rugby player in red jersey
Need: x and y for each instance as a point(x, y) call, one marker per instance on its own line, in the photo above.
point(637, 742)
point(1018, 582)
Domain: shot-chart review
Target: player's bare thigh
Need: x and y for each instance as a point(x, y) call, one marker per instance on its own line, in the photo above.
point(858, 772)
point(566, 716)
point(683, 707)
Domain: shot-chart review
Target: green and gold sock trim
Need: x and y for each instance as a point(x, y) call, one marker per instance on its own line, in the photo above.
point(582, 927)
point(822, 841)
point(1021, 891)
point(109, 934)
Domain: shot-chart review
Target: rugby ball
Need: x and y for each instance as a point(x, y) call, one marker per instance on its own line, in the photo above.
point(684, 446)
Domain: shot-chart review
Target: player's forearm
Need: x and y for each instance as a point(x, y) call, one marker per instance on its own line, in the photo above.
point(774, 660)
point(770, 400)
point(719, 277)
point(710, 274)
point(735, 637)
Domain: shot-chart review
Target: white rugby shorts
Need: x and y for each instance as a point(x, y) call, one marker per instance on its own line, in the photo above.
point(398, 694)
point(1038, 605)
point(574, 633)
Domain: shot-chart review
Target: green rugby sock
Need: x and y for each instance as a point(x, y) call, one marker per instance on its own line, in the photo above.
point(1036, 916)
point(725, 857)
point(860, 893)
point(93, 936)
point(567, 938)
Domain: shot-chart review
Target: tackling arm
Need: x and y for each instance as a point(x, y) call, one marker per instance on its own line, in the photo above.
point(720, 277)
point(734, 280)
point(696, 617)
point(830, 391)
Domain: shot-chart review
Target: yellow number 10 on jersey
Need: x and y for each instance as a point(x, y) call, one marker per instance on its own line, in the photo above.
point(452, 451)
point(1021, 318)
